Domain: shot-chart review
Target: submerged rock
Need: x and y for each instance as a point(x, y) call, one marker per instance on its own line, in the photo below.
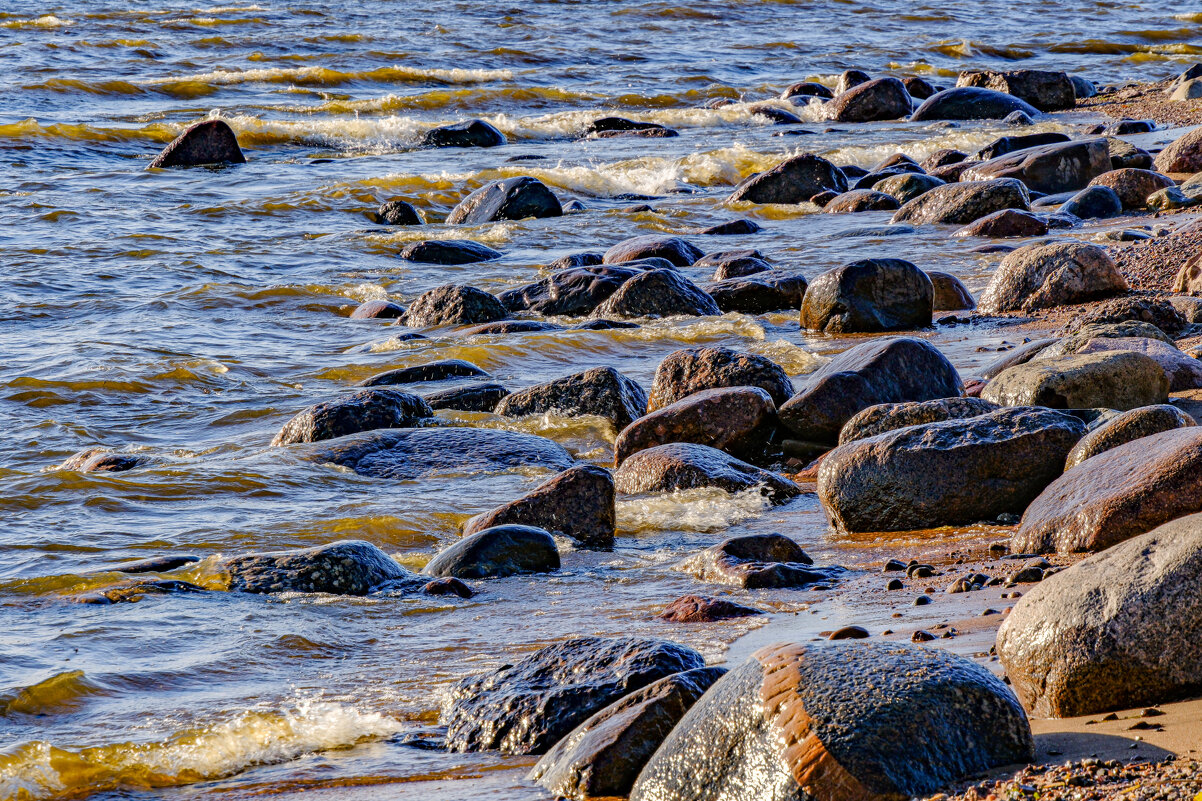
point(397, 212)
point(756, 562)
point(347, 567)
point(732, 228)
point(738, 420)
point(868, 296)
point(703, 609)
point(472, 398)
point(962, 203)
point(686, 465)
point(454, 304)
point(870, 101)
point(690, 370)
point(657, 293)
point(378, 310)
point(601, 391)
point(794, 180)
point(362, 411)
point(448, 251)
point(511, 199)
point(432, 371)
point(473, 133)
point(497, 552)
point(207, 142)
point(1005, 224)
point(100, 460)
point(577, 503)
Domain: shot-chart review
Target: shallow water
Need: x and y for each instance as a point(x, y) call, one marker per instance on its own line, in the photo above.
point(185, 315)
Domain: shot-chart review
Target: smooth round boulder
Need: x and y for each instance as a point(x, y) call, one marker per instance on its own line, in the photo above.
point(860, 200)
point(793, 181)
point(963, 202)
point(431, 371)
point(1058, 167)
point(511, 199)
point(657, 293)
point(347, 567)
point(600, 391)
point(871, 101)
point(918, 87)
point(807, 89)
point(950, 292)
point(1044, 89)
point(575, 291)
point(1128, 427)
point(970, 103)
point(1093, 203)
point(734, 263)
point(703, 609)
point(577, 503)
point(362, 411)
point(849, 79)
point(732, 228)
point(497, 552)
point(836, 721)
point(398, 212)
point(687, 465)
point(738, 420)
point(1109, 380)
point(690, 370)
point(1006, 224)
point(676, 250)
point(205, 142)
point(758, 561)
point(868, 296)
point(1045, 276)
point(472, 133)
point(889, 416)
point(1182, 155)
point(759, 293)
point(1133, 186)
point(454, 304)
point(378, 310)
point(1008, 144)
point(448, 251)
point(907, 186)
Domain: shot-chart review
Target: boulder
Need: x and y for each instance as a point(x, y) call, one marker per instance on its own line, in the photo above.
point(657, 293)
point(577, 503)
point(1124, 155)
point(807, 89)
point(409, 453)
point(602, 756)
point(601, 391)
point(1188, 280)
point(1082, 87)
point(1184, 154)
point(906, 186)
point(454, 304)
point(953, 472)
point(1183, 371)
point(732, 228)
point(1112, 380)
point(794, 180)
point(843, 720)
point(860, 200)
point(871, 101)
point(448, 251)
point(756, 562)
point(734, 263)
point(1157, 312)
point(970, 103)
point(100, 460)
point(942, 158)
point(1046, 91)
point(207, 142)
point(1127, 427)
point(738, 420)
point(363, 411)
point(703, 609)
point(527, 707)
point(347, 567)
point(849, 79)
point(1045, 276)
point(1094, 203)
point(690, 370)
point(472, 398)
point(432, 371)
point(501, 327)
point(950, 292)
point(1060, 167)
point(890, 416)
point(1116, 495)
point(496, 552)
point(886, 370)
point(868, 296)
point(687, 465)
point(759, 293)
point(1133, 186)
point(1008, 144)
point(378, 310)
point(1006, 224)
point(962, 203)
point(918, 87)
point(1117, 630)
point(576, 260)
point(397, 212)
point(473, 133)
point(778, 116)
point(610, 125)
point(676, 250)
point(575, 291)
point(510, 199)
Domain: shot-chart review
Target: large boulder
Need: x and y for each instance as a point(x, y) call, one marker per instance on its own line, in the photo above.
point(947, 473)
point(527, 707)
point(950, 292)
point(362, 411)
point(575, 291)
point(970, 103)
point(687, 465)
point(962, 203)
point(207, 142)
point(1183, 371)
point(431, 371)
point(690, 370)
point(907, 186)
point(1046, 91)
point(868, 296)
point(1119, 629)
point(601, 391)
point(602, 756)
point(448, 251)
point(1058, 167)
point(794, 180)
point(472, 133)
point(657, 293)
point(738, 420)
point(879, 99)
point(577, 503)
point(759, 293)
point(888, 370)
point(758, 561)
point(1006, 224)
point(837, 721)
point(454, 304)
point(1110, 380)
point(1133, 186)
point(497, 552)
point(858, 200)
point(889, 416)
point(679, 251)
point(1128, 427)
point(511, 199)
point(409, 453)
point(1183, 155)
point(1046, 276)
point(347, 567)
point(1116, 495)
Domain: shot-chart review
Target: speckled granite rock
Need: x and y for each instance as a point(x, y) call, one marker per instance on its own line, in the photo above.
point(889, 416)
point(1128, 427)
point(690, 370)
point(348, 567)
point(685, 465)
point(363, 411)
point(601, 391)
point(738, 420)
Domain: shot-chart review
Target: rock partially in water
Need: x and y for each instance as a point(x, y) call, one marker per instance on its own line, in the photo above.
point(497, 552)
point(658, 293)
point(887, 370)
point(472, 133)
point(397, 212)
point(794, 180)
point(100, 460)
point(1094, 203)
point(1005, 224)
point(1128, 427)
point(950, 292)
point(1058, 167)
point(378, 310)
point(1045, 90)
point(1132, 186)
point(942, 158)
point(471, 398)
point(732, 228)
point(1045, 276)
point(686, 465)
point(132, 593)
point(918, 87)
point(577, 503)
point(778, 116)
point(970, 103)
point(807, 89)
point(1008, 144)
point(849, 79)
point(347, 567)
point(448, 251)
point(575, 291)
point(734, 263)
point(409, 453)
point(691, 370)
point(363, 411)
point(527, 707)
point(454, 304)
point(601, 391)
point(1110, 380)
point(843, 720)
point(610, 125)
point(703, 609)
point(602, 756)
point(907, 186)
point(1119, 629)
point(948, 473)
point(759, 293)
point(433, 371)
point(207, 142)
point(680, 252)
point(738, 420)
point(511, 199)
point(860, 200)
point(1114, 496)
point(868, 296)
point(962, 203)
point(889, 416)
point(157, 564)
point(756, 562)
point(871, 101)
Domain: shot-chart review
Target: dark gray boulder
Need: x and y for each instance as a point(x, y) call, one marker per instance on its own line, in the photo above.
point(734, 263)
point(448, 251)
point(970, 103)
point(100, 460)
point(1094, 203)
point(906, 186)
point(454, 304)
point(397, 212)
point(686, 465)
point(1008, 144)
point(858, 200)
point(871, 101)
point(207, 142)
point(496, 552)
point(963, 202)
point(794, 180)
point(1058, 167)
point(1043, 89)
point(473, 133)
point(759, 293)
point(690, 370)
point(738, 420)
point(868, 296)
point(432, 371)
point(807, 89)
point(471, 398)
point(577, 503)
point(347, 567)
point(362, 411)
point(679, 251)
point(758, 561)
point(950, 292)
point(510, 199)
point(601, 391)
point(657, 293)
point(732, 228)
point(575, 291)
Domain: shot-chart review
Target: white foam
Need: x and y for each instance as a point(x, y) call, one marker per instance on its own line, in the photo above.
point(703, 509)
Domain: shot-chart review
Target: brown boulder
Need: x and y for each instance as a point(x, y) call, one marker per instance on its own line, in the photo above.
point(1127, 427)
point(950, 292)
point(1133, 186)
point(1058, 167)
point(577, 503)
point(686, 465)
point(1006, 224)
point(702, 609)
point(963, 202)
point(1045, 276)
point(1046, 91)
point(738, 420)
point(794, 180)
point(208, 142)
point(756, 562)
point(691, 370)
point(1184, 154)
point(1107, 380)
point(871, 101)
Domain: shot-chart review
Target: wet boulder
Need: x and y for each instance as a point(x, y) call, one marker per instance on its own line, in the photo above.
point(448, 251)
point(1116, 495)
point(794, 180)
point(1183, 371)
point(496, 552)
point(690, 370)
point(871, 101)
point(601, 391)
point(860, 200)
point(577, 503)
point(602, 756)
point(868, 296)
point(738, 420)
point(1155, 311)
point(1058, 167)
point(397, 212)
point(575, 291)
point(454, 304)
point(510, 199)
point(1111, 380)
point(732, 228)
point(756, 562)
point(964, 202)
point(100, 460)
point(1182, 155)
point(703, 609)
point(1005, 224)
point(347, 567)
point(527, 707)
point(408, 453)
point(471, 398)
point(1124, 155)
point(363, 411)
point(759, 293)
point(1119, 629)
point(605, 126)
point(508, 327)
point(207, 142)
point(680, 252)
point(950, 292)
point(839, 721)
point(970, 103)
point(657, 293)
point(431, 371)
point(886, 370)
point(904, 187)
point(942, 158)
point(472, 133)
point(890, 416)
point(1094, 203)
point(778, 116)
point(807, 89)
point(378, 310)
point(734, 263)
point(918, 87)
point(948, 473)
point(1133, 186)
point(1045, 90)
point(1045, 276)
point(849, 79)
point(1008, 144)
point(687, 465)
point(1127, 427)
